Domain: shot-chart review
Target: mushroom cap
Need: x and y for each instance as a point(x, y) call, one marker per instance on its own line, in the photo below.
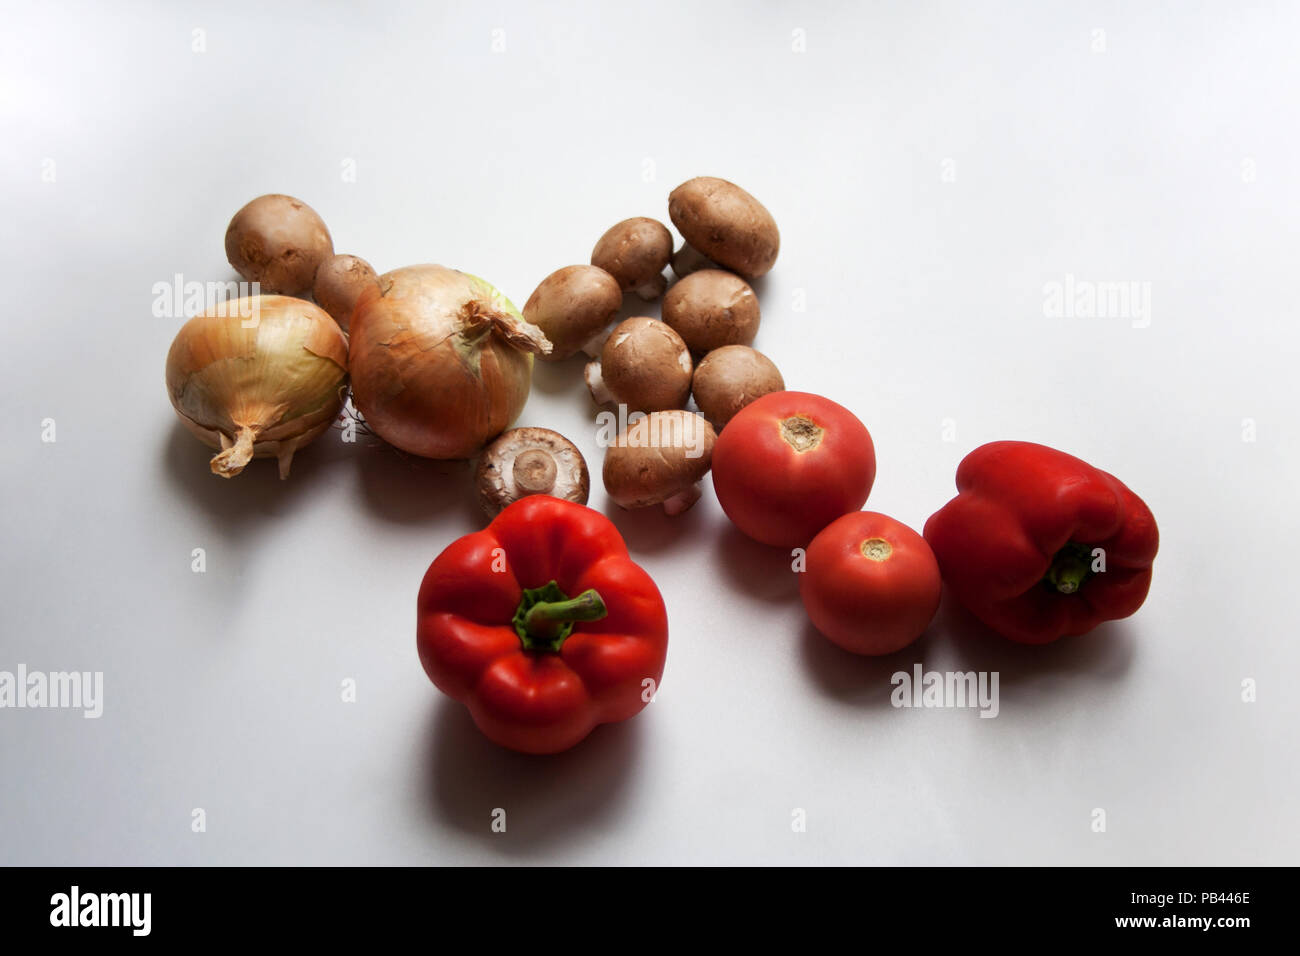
point(340, 281)
point(658, 457)
point(726, 224)
point(279, 242)
point(571, 305)
point(523, 461)
point(634, 251)
point(712, 308)
point(729, 378)
point(646, 366)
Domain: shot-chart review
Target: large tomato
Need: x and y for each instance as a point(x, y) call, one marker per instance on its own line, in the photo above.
point(790, 463)
point(871, 583)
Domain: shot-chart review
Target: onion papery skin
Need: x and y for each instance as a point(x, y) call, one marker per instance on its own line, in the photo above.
point(261, 391)
point(441, 362)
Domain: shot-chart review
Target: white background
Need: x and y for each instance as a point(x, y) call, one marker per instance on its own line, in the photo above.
point(1162, 149)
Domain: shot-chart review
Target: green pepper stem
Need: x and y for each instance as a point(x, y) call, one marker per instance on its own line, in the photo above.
point(1069, 569)
point(544, 619)
point(546, 616)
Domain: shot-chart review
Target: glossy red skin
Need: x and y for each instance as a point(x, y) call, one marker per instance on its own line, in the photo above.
point(1018, 504)
point(781, 496)
point(870, 606)
point(530, 700)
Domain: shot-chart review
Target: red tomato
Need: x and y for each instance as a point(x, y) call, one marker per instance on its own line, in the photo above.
point(790, 463)
point(871, 583)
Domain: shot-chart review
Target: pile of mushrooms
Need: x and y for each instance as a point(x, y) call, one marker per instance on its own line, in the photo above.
point(700, 347)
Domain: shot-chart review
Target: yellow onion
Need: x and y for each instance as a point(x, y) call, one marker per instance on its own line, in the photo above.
point(258, 377)
point(441, 361)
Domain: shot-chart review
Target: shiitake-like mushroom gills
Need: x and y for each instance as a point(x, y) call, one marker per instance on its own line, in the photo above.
point(530, 461)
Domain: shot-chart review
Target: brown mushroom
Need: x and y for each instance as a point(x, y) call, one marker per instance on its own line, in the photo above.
point(572, 305)
point(729, 378)
point(279, 242)
point(635, 252)
point(688, 259)
point(712, 308)
point(726, 224)
point(660, 459)
point(644, 366)
point(340, 280)
point(530, 461)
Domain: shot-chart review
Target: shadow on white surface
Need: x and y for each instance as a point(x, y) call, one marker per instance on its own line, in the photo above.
point(649, 530)
point(854, 678)
point(251, 496)
point(754, 570)
point(957, 640)
point(563, 378)
point(1106, 652)
point(405, 489)
point(547, 799)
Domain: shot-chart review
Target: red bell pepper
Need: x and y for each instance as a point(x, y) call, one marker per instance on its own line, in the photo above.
point(1039, 545)
point(542, 625)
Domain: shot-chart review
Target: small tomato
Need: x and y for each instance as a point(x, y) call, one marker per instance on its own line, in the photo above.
point(790, 463)
point(871, 583)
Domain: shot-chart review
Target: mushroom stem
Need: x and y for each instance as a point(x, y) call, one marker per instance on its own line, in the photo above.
point(534, 472)
point(600, 393)
point(688, 259)
point(682, 501)
point(593, 346)
point(231, 462)
point(652, 288)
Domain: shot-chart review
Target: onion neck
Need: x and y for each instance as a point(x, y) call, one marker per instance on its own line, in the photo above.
point(478, 318)
point(231, 462)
